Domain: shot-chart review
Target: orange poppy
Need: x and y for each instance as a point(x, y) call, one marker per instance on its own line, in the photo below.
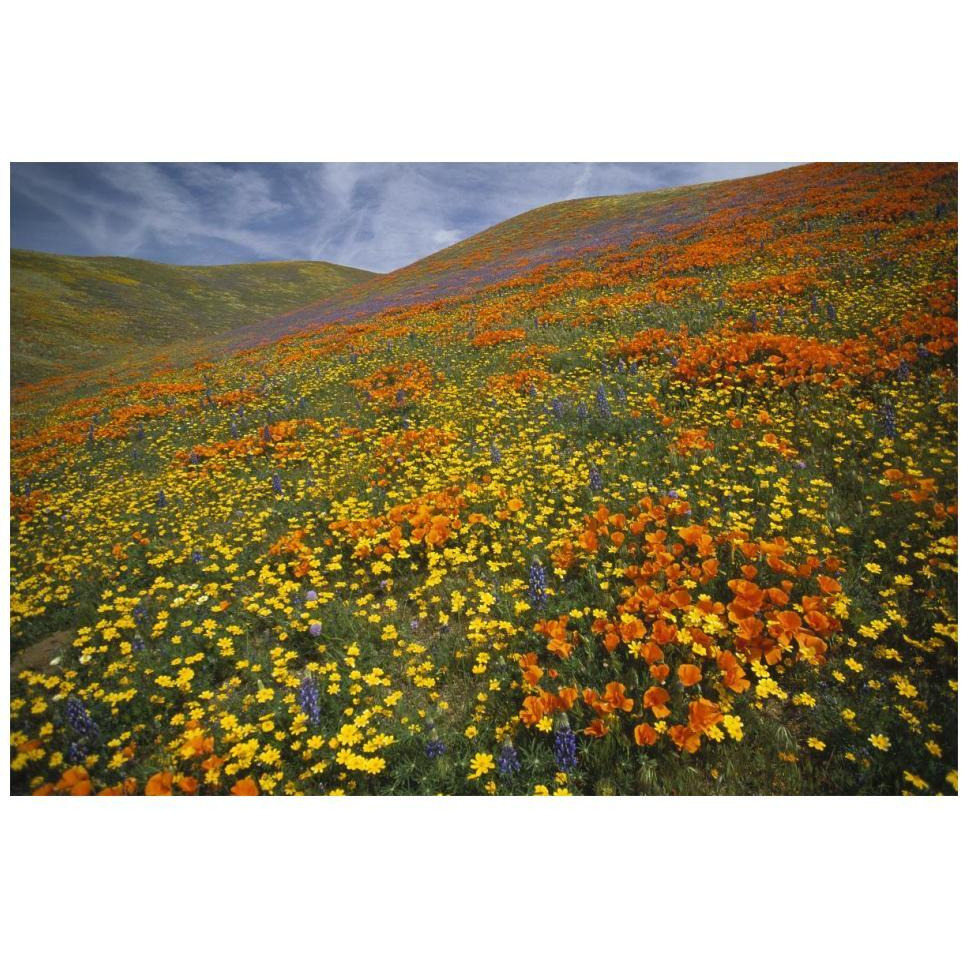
point(655, 698)
point(702, 714)
point(160, 784)
point(684, 738)
point(659, 672)
point(689, 674)
point(614, 695)
point(735, 677)
point(597, 728)
point(188, 785)
point(644, 735)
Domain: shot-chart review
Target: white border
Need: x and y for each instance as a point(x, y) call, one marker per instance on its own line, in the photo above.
point(500, 81)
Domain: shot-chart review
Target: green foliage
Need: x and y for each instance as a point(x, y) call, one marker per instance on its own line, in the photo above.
point(76, 313)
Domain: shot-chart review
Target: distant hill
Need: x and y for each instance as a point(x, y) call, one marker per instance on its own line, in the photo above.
point(75, 313)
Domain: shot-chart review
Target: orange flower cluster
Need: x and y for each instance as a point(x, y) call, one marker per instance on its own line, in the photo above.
point(562, 641)
point(429, 520)
point(24, 506)
point(534, 355)
point(791, 284)
point(735, 354)
point(761, 358)
point(918, 489)
point(518, 382)
point(278, 440)
point(648, 344)
point(394, 385)
point(491, 338)
point(781, 611)
point(293, 545)
point(688, 441)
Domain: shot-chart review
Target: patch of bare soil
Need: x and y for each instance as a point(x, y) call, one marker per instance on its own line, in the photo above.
point(37, 656)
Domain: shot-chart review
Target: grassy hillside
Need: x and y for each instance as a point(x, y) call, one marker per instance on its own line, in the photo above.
point(73, 313)
point(653, 495)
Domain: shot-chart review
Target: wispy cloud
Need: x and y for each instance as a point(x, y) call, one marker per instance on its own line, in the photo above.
point(378, 216)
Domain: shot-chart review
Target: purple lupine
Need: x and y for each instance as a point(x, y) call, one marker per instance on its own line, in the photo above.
point(161, 499)
point(565, 745)
point(435, 747)
point(537, 583)
point(603, 405)
point(314, 629)
point(594, 479)
point(277, 485)
point(889, 426)
point(84, 727)
point(508, 763)
point(79, 719)
point(311, 595)
point(308, 698)
point(557, 408)
point(903, 370)
point(495, 454)
point(582, 411)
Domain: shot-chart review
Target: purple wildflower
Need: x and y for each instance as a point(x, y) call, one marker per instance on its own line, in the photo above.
point(537, 584)
point(508, 763)
point(308, 698)
point(565, 745)
point(594, 479)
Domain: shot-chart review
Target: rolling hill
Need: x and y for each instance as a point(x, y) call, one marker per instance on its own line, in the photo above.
point(652, 494)
point(581, 233)
point(75, 313)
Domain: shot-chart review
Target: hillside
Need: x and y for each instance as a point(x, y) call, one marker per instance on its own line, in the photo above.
point(75, 313)
point(652, 494)
point(571, 231)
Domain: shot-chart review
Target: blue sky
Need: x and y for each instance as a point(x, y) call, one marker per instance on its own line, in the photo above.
point(377, 216)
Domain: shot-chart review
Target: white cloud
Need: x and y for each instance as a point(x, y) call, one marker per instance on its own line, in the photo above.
point(378, 216)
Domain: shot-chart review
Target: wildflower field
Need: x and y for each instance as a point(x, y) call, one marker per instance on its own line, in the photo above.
point(653, 494)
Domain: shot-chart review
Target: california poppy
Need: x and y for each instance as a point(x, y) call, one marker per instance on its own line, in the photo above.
point(689, 674)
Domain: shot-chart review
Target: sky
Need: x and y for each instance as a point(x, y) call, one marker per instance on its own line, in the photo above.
point(378, 216)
